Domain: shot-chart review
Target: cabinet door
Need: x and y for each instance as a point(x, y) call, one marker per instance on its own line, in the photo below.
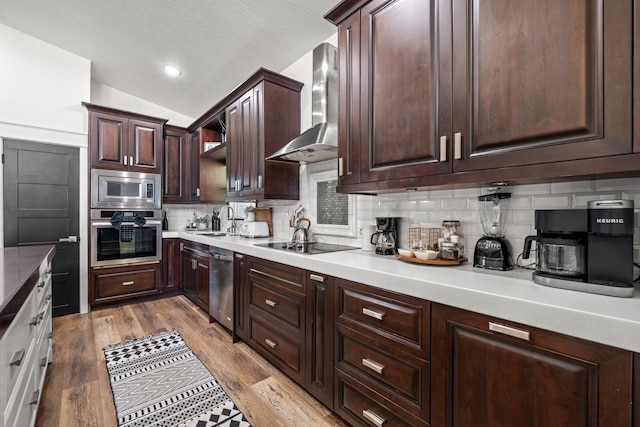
point(320, 335)
point(535, 82)
point(174, 171)
point(202, 280)
point(240, 297)
point(234, 148)
point(171, 264)
point(108, 140)
point(255, 164)
point(349, 100)
point(249, 148)
point(145, 146)
point(401, 122)
point(193, 167)
point(483, 376)
point(188, 272)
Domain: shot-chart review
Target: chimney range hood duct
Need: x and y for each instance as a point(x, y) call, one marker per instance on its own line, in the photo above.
point(320, 142)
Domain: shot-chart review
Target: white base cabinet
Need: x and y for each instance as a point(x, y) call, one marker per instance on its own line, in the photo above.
point(25, 353)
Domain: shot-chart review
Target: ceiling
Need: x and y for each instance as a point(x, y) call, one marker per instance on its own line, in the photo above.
point(216, 43)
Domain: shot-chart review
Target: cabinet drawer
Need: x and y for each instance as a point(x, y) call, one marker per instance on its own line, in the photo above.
point(16, 345)
point(43, 290)
point(23, 405)
point(400, 318)
point(359, 405)
point(125, 283)
point(281, 350)
point(282, 305)
point(403, 380)
point(286, 276)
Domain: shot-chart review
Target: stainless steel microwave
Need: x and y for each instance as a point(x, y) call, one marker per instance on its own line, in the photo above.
point(112, 189)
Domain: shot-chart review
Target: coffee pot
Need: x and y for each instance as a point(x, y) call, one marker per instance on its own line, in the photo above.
point(385, 237)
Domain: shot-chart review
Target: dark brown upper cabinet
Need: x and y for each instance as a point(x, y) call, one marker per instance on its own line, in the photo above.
point(263, 118)
point(175, 167)
point(451, 91)
point(124, 141)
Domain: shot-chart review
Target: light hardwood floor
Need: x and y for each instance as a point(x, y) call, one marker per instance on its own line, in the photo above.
point(77, 392)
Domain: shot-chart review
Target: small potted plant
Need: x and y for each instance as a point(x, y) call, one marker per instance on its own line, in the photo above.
point(202, 222)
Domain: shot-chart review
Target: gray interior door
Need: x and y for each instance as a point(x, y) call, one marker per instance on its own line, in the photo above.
point(41, 206)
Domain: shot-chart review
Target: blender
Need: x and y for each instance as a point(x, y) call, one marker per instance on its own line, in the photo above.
point(493, 251)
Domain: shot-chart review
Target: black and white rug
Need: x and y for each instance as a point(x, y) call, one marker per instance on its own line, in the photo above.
point(158, 381)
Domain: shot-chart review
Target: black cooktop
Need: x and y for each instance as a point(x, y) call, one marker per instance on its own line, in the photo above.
point(309, 249)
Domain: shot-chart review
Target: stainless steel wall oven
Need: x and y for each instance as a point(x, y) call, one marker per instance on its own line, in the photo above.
point(124, 237)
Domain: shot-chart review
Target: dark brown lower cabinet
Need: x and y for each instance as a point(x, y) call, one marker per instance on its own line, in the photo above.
point(636, 389)
point(287, 315)
point(170, 265)
point(195, 273)
point(112, 284)
point(487, 372)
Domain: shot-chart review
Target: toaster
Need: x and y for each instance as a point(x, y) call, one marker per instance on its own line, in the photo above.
point(254, 229)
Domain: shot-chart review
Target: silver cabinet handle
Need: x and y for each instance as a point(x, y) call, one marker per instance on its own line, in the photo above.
point(239, 256)
point(17, 358)
point(374, 366)
point(270, 343)
point(260, 181)
point(34, 397)
point(70, 239)
point(443, 148)
point(270, 303)
point(130, 160)
point(198, 192)
point(372, 313)
point(129, 283)
point(507, 330)
point(373, 417)
point(457, 146)
point(340, 166)
point(316, 278)
point(125, 160)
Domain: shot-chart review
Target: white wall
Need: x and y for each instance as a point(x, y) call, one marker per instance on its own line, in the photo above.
point(113, 98)
point(41, 90)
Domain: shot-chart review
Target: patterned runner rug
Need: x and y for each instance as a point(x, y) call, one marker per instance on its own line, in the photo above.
point(158, 381)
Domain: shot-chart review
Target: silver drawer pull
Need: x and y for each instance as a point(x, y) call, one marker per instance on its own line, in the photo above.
point(372, 313)
point(239, 256)
point(373, 417)
point(128, 283)
point(507, 330)
point(374, 366)
point(17, 358)
point(270, 343)
point(270, 303)
point(316, 278)
point(34, 397)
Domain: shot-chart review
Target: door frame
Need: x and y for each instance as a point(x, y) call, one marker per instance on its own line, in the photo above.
point(69, 139)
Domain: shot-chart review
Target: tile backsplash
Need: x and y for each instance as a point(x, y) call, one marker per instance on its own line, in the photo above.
point(430, 208)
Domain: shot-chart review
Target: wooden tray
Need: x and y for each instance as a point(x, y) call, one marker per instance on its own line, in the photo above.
point(431, 261)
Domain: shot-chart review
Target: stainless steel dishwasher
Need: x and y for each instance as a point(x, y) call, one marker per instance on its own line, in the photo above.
point(221, 286)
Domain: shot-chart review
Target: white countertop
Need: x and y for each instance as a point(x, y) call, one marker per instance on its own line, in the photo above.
point(508, 295)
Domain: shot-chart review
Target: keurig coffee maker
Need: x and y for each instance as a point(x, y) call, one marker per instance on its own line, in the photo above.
point(589, 250)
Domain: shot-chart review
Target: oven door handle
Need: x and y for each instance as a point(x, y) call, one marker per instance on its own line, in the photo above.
point(108, 224)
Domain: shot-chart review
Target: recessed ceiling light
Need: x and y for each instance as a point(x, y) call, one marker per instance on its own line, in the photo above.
point(171, 70)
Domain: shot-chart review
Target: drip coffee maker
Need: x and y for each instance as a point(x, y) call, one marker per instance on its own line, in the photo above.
point(493, 251)
point(386, 236)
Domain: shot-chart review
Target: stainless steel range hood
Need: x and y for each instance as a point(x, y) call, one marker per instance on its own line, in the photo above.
point(320, 142)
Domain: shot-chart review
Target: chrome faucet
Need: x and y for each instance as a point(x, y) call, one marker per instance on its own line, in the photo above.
point(232, 228)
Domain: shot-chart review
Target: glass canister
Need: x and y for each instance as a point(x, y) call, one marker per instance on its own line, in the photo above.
point(452, 232)
point(449, 251)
